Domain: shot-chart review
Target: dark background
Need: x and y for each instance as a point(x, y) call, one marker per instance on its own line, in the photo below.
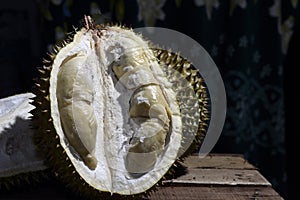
point(255, 45)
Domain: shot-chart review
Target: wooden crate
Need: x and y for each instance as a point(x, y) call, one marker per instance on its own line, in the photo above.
point(218, 177)
point(214, 177)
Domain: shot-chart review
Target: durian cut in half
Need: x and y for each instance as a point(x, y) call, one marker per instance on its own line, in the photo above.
point(20, 163)
point(113, 114)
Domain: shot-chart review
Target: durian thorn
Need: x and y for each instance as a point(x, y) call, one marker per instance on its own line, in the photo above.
point(47, 68)
point(88, 22)
point(41, 70)
point(64, 43)
point(70, 34)
point(45, 79)
point(45, 111)
point(47, 98)
point(46, 61)
point(56, 49)
point(48, 131)
point(37, 84)
point(51, 55)
point(70, 37)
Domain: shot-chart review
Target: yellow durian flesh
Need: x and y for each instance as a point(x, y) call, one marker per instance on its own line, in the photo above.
point(74, 97)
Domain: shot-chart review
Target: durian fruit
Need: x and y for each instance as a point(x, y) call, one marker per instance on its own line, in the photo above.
point(114, 114)
point(20, 163)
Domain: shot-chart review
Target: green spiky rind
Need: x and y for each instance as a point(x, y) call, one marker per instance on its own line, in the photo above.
point(192, 75)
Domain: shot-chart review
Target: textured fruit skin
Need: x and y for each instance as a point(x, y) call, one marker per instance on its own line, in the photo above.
point(48, 141)
point(192, 75)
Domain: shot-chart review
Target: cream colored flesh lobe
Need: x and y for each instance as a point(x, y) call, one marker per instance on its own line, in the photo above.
point(114, 111)
point(148, 110)
point(74, 96)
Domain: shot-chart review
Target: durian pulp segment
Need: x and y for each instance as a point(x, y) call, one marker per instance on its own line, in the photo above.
point(109, 99)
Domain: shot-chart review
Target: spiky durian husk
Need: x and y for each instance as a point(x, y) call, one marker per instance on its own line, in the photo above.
point(49, 143)
point(176, 62)
point(20, 166)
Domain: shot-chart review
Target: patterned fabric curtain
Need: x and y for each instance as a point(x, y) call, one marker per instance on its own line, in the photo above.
point(247, 39)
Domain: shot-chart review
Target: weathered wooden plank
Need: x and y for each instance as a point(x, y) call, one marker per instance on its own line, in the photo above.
point(215, 193)
point(216, 177)
point(222, 177)
point(220, 161)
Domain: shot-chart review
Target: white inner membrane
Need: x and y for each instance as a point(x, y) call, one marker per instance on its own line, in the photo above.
point(109, 98)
